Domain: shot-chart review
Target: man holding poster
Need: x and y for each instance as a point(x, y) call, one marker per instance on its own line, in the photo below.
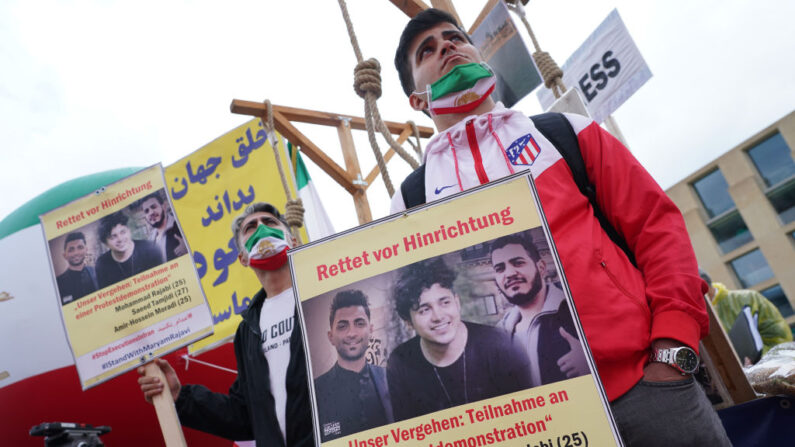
point(449, 362)
point(643, 322)
point(269, 400)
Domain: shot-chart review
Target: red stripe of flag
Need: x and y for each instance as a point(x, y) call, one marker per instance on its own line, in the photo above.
point(475, 149)
point(463, 108)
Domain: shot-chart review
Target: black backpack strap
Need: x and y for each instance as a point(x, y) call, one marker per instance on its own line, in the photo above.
point(413, 188)
point(557, 129)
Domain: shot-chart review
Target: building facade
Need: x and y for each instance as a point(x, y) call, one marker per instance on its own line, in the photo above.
point(740, 213)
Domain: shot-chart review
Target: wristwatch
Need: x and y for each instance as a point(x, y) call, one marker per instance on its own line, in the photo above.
point(682, 358)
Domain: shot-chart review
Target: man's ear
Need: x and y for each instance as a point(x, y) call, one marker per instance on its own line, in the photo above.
point(243, 259)
point(418, 102)
point(542, 267)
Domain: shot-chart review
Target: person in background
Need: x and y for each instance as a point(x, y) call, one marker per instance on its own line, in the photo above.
point(729, 304)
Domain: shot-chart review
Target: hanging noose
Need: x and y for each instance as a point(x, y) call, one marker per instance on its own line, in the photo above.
point(552, 74)
point(367, 84)
point(294, 208)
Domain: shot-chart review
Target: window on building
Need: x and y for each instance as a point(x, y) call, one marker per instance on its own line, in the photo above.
point(713, 191)
point(729, 231)
point(782, 197)
point(773, 159)
point(726, 224)
point(776, 296)
point(751, 268)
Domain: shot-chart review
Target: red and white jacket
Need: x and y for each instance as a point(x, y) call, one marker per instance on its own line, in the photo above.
point(622, 309)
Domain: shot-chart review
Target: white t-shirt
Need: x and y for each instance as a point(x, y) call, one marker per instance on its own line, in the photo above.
point(276, 322)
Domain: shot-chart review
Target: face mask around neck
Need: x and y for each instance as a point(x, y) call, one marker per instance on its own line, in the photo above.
point(461, 90)
point(267, 248)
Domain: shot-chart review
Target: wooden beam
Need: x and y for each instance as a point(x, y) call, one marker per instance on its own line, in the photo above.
point(388, 156)
point(352, 165)
point(286, 128)
point(410, 7)
point(724, 357)
point(483, 13)
point(314, 117)
point(447, 5)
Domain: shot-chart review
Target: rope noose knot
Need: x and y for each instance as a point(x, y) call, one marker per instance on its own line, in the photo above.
point(367, 78)
point(294, 213)
point(549, 69)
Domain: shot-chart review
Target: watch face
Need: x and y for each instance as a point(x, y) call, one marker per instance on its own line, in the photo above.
point(687, 360)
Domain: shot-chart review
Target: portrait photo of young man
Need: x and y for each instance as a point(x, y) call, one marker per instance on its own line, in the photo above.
point(79, 279)
point(126, 256)
point(165, 233)
point(449, 361)
point(353, 395)
point(539, 321)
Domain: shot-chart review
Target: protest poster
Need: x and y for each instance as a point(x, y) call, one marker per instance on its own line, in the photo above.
point(426, 301)
point(505, 52)
point(126, 283)
point(209, 189)
point(606, 69)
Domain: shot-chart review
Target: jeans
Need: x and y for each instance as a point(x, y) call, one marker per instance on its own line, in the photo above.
point(668, 414)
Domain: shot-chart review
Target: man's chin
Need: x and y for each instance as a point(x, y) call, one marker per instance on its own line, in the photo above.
point(351, 357)
point(518, 299)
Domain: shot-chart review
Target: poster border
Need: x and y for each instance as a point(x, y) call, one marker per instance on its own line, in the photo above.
point(533, 191)
point(149, 356)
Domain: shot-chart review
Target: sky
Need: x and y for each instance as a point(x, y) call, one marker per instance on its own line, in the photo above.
point(87, 86)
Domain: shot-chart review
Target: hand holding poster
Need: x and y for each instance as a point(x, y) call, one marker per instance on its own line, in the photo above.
point(126, 282)
point(448, 325)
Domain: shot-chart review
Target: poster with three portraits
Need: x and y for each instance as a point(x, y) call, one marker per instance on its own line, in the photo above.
point(448, 325)
point(127, 286)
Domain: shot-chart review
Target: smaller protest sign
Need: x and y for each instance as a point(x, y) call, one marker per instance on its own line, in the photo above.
point(607, 69)
point(126, 282)
point(503, 49)
point(415, 329)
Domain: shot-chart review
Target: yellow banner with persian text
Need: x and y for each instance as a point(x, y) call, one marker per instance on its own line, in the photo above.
point(209, 188)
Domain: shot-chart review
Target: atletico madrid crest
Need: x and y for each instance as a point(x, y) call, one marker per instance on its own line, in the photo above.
point(523, 151)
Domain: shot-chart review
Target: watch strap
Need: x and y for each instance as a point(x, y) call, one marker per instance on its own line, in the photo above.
point(668, 356)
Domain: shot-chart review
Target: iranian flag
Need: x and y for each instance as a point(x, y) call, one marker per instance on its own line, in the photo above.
point(316, 220)
point(267, 248)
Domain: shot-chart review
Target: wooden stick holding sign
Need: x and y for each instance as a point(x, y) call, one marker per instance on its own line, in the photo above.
point(166, 411)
